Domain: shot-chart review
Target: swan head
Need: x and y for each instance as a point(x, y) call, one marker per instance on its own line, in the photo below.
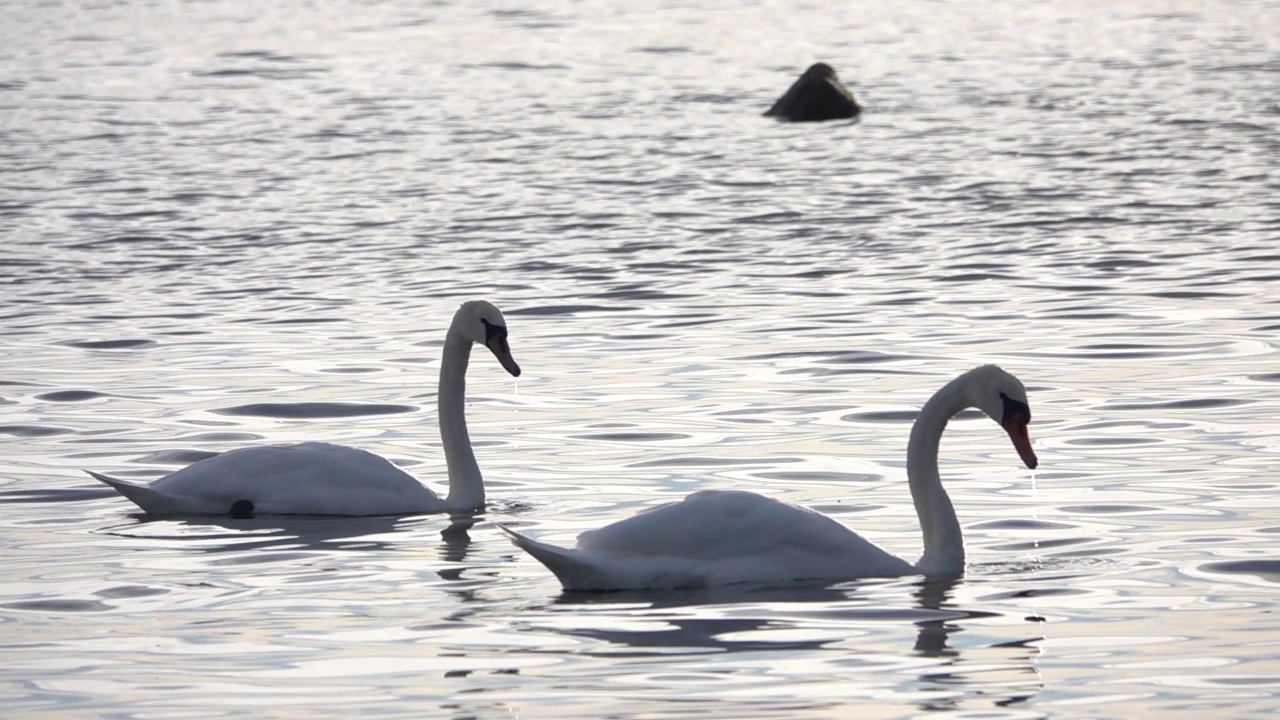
point(481, 322)
point(1000, 395)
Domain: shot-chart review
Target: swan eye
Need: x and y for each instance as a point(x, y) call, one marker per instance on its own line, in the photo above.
point(492, 331)
point(1013, 408)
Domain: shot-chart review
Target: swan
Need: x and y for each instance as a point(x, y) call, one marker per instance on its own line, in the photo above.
point(317, 478)
point(720, 537)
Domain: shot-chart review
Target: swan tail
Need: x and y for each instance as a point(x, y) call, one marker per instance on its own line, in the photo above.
point(144, 497)
point(603, 571)
point(571, 567)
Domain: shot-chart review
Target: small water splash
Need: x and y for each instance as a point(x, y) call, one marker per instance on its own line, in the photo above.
point(515, 411)
point(1035, 514)
point(1036, 560)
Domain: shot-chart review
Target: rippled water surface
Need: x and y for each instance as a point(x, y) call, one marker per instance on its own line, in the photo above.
point(228, 223)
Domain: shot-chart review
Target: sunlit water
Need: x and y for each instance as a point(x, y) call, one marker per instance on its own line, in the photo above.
point(215, 212)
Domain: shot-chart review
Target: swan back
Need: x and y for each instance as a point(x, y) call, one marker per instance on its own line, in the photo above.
point(715, 537)
point(310, 478)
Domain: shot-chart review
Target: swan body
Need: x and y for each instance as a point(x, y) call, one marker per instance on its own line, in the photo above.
point(311, 478)
point(724, 537)
point(714, 537)
point(316, 478)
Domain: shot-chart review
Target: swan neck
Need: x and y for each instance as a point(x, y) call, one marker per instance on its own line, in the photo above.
point(466, 487)
point(943, 542)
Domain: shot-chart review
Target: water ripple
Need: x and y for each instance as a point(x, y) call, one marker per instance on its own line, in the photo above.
point(221, 224)
point(315, 410)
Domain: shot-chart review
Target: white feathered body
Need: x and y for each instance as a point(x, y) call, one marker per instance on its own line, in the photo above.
point(715, 537)
point(310, 478)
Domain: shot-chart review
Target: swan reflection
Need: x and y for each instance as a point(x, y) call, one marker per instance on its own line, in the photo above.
point(213, 535)
point(804, 618)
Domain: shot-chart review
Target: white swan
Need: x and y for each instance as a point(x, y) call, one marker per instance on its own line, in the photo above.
point(722, 537)
point(315, 478)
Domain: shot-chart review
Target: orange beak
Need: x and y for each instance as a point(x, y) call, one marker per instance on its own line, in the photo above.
point(1016, 426)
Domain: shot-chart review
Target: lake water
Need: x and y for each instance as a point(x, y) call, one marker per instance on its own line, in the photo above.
point(209, 206)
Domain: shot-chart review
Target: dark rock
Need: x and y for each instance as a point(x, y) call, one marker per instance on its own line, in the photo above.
point(817, 95)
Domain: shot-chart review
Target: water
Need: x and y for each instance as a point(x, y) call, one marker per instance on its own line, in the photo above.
point(212, 208)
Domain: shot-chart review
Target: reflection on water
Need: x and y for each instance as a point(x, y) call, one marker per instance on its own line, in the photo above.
point(732, 634)
point(254, 538)
point(758, 634)
point(229, 224)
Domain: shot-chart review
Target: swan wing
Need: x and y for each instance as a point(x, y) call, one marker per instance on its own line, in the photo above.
point(716, 538)
point(304, 479)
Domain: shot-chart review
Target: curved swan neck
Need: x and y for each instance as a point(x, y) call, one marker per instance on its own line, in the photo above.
point(466, 487)
point(943, 542)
